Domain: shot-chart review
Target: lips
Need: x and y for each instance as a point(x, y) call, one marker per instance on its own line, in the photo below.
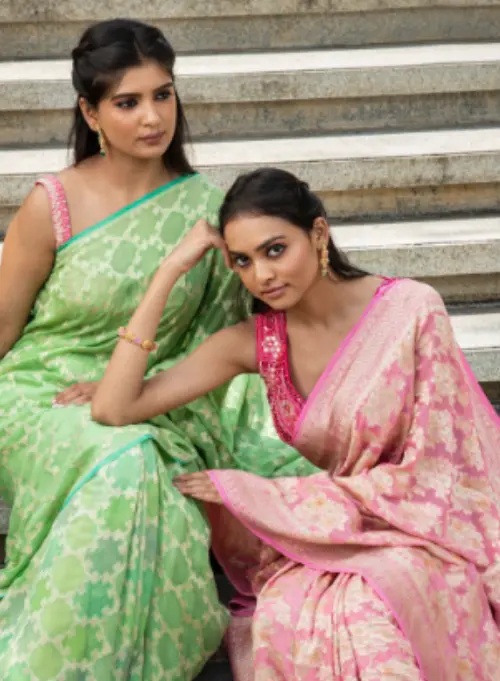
point(274, 292)
point(152, 138)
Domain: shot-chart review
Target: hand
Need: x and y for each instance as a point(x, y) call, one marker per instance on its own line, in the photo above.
point(200, 239)
point(199, 486)
point(78, 393)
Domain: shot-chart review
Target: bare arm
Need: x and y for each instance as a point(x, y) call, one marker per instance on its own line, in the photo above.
point(124, 397)
point(27, 260)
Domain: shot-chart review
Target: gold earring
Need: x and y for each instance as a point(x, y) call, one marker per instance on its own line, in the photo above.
point(102, 142)
point(324, 261)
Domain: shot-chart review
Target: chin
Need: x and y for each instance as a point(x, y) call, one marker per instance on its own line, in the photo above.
point(152, 154)
point(281, 305)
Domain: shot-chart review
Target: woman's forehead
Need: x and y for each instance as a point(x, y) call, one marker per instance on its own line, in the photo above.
point(143, 77)
point(249, 231)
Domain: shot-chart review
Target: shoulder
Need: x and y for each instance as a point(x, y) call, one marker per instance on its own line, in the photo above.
point(241, 332)
point(427, 314)
point(207, 196)
point(417, 297)
point(33, 220)
point(238, 341)
point(202, 183)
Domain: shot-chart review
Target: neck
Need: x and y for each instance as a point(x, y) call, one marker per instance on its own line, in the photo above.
point(135, 177)
point(327, 301)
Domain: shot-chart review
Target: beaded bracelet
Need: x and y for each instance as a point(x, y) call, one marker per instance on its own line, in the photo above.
point(146, 345)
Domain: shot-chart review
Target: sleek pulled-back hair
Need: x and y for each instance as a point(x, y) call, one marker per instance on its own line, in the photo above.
point(276, 193)
point(105, 51)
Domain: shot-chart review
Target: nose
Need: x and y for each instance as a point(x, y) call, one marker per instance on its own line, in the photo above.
point(263, 271)
point(150, 115)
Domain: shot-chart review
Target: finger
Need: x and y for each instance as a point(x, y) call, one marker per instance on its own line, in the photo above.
point(74, 395)
point(225, 253)
point(190, 489)
point(66, 396)
point(197, 489)
point(209, 497)
point(187, 486)
point(216, 239)
point(79, 400)
point(198, 475)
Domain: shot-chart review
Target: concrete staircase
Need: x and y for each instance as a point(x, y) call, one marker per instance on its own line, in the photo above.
point(389, 108)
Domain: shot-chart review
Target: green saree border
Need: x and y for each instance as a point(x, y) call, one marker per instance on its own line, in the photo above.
point(102, 463)
point(91, 474)
point(119, 213)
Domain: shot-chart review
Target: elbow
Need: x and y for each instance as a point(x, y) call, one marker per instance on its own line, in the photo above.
point(107, 415)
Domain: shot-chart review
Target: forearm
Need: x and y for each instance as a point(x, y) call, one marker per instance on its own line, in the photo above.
point(8, 337)
point(123, 380)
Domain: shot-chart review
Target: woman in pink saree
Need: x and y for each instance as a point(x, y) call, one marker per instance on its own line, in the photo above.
point(384, 563)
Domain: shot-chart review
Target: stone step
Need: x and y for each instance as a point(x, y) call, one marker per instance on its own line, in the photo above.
point(459, 257)
point(262, 94)
point(388, 175)
point(31, 29)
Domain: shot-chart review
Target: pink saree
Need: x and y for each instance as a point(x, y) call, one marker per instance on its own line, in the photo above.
point(384, 565)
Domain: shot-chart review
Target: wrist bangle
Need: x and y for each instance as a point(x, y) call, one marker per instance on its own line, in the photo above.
point(146, 345)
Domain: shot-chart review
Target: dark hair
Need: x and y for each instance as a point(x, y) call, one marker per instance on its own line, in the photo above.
point(277, 193)
point(104, 52)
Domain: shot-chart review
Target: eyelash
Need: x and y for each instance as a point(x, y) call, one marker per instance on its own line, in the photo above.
point(132, 103)
point(242, 261)
point(280, 247)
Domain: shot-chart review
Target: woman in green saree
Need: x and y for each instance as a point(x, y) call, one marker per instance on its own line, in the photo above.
point(108, 573)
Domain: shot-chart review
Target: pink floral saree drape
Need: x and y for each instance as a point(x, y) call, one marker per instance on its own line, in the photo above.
point(385, 565)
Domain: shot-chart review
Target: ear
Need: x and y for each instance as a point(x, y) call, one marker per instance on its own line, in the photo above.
point(89, 113)
point(321, 232)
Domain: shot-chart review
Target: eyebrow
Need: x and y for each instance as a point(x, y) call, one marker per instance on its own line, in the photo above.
point(260, 247)
point(139, 94)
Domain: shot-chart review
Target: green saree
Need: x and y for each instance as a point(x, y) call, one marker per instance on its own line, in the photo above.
point(108, 573)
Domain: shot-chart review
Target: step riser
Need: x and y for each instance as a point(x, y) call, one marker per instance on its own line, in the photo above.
point(468, 288)
point(412, 202)
point(421, 194)
point(225, 34)
point(460, 260)
point(281, 119)
point(303, 76)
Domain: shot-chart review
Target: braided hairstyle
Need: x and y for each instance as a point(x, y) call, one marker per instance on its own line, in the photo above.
point(105, 51)
point(277, 193)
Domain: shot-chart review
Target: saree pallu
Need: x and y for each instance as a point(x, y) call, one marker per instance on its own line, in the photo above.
point(108, 573)
point(386, 565)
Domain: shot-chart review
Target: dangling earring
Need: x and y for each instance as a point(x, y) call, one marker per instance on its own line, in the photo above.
point(324, 263)
point(102, 142)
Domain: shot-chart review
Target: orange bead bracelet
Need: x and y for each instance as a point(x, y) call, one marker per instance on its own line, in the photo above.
point(146, 345)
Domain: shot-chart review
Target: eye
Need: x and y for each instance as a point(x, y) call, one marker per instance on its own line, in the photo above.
point(275, 250)
point(127, 103)
point(241, 261)
point(164, 95)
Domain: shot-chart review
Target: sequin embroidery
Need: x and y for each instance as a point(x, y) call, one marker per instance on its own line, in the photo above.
point(285, 402)
point(58, 208)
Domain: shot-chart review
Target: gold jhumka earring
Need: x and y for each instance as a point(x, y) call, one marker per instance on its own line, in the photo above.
point(324, 263)
point(102, 142)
